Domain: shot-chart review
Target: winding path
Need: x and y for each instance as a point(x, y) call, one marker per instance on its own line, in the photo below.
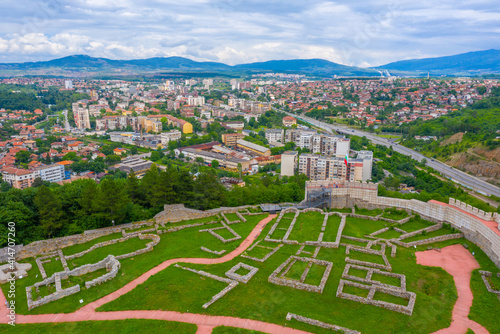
point(459, 263)
point(205, 323)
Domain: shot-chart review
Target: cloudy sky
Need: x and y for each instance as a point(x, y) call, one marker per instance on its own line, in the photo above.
point(359, 32)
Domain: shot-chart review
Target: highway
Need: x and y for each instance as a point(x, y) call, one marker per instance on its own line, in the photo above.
point(451, 173)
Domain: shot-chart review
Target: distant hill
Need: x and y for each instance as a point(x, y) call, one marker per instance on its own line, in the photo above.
point(308, 66)
point(82, 64)
point(470, 63)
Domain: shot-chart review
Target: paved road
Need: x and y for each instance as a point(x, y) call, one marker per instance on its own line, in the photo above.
point(66, 122)
point(454, 174)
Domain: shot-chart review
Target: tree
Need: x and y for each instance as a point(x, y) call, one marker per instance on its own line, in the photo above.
point(37, 182)
point(23, 157)
point(111, 201)
point(199, 160)
point(215, 163)
point(49, 210)
point(134, 150)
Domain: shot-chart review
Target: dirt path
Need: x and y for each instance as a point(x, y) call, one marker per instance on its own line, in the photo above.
point(459, 263)
point(205, 323)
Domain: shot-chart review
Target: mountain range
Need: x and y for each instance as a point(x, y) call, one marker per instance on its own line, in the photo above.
point(471, 63)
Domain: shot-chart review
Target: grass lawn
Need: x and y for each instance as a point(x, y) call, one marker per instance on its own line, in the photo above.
point(232, 217)
point(390, 298)
point(54, 266)
point(394, 214)
point(225, 233)
point(296, 270)
point(258, 252)
point(388, 234)
point(285, 223)
point(386, 279)
point(353, 290)
point(366, 212)
point(288, 215)
point(307, 227)
point(315, 274)
point(341, 210)
point(353, 242)
point(373, 258)
point(358, 227)
point(494, 281)
point(437, 233)
point(187, 244)
point(233, 330)
point(119, 248)
point(278, 234)
point(70, 250)
point(171, 289)
point(331, 229)
point(415, 224)
point(129, 326)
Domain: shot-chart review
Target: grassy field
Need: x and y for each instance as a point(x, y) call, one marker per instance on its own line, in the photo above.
point(437, 233)
point(394, 214)
point(415, 224)
point(359, 227)
point(233, 330)
point(81, 247)
point(307, 227)
point(366, 212)
point(332, 227)
point(129, 326)
point(187, 244)
point(261, 300)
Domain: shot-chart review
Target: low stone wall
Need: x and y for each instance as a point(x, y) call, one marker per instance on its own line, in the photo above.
point(50, 298)
point(231, 273)
point(267, 256)
point(213, 252)
point(178, 212)
point(430, 240)
point(276, 279)
point(410, 296)
point(484, 276)
point(318, 323)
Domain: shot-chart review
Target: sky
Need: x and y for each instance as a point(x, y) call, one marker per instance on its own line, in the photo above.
point(359, 33)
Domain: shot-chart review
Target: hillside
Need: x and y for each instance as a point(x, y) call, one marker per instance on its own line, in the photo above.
point(473, 63)
point(467, 138)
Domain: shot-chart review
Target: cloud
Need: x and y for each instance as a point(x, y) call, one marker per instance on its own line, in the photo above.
point(358, 33)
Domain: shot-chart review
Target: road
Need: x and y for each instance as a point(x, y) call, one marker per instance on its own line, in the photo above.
point(454, 174)
point(66, 122)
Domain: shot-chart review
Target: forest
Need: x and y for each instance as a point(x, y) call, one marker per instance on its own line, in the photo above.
point(52, 210)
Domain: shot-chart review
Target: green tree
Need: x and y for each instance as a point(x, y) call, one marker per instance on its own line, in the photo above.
point(49, 211)
point(111, 201)
point(215, 163)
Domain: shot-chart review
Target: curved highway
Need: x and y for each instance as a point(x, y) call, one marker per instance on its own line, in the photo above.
point(453, 174)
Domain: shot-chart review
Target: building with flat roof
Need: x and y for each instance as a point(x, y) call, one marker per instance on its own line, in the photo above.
point(289, 160)
point(169, 136)
point(138, 165)
point(275, 135)
point(51, 173)
point(223, 160)
point(253, 148)
point(230, 139)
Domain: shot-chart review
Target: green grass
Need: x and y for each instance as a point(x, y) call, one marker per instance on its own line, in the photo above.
point(187, 244)
point(70, 250)
point(296, 270)
point(390, 298)
point(258, 252)
point(389, 234)
point(116, 249)
point(288, 215)
point(233, 330)
point(171, 289)
point(52, 267)
point(357, 272)
point(315, 274)
point(129, 326)
point(358, 227)
point(366, 212)
point(353, 242)
point(353, 290)
point(494, 281)
point(469, 331)
point(341, 210)
point(307, 227)
point(232, 217)
point(373, 258)
point(437, 233)
point(415, 224)
point(386, 279)
point(278, 234)
point(392, 213)
point(285, 223)
point(225, 233)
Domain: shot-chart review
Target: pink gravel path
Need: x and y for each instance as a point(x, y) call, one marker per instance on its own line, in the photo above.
point(205, 323)
point(459, 263)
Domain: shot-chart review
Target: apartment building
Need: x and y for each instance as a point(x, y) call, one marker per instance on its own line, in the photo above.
point(169, 136)
point(325, 144)
point(18, 178)
point(275, 135)
point(51, 173)
point(81, 117)
point(230, 139)
point(320, 167)
point(289, 160)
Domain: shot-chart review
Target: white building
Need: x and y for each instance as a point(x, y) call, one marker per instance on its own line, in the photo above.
point(169, 136)
point(289, 161)
point(196, 101)
point(52, 173)
point(68, 84)
point(275, 135)
point(367, 157)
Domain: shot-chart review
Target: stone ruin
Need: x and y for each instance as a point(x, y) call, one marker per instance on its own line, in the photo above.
point(318, 323)
point(111, 264)
point(16, 270)
point(484, 276)
point(267, 256)
point(278, 276)
point(231, 273)
point(224, 226)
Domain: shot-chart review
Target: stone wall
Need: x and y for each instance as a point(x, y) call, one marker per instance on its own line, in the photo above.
point(318, 323)
point(365, 196)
